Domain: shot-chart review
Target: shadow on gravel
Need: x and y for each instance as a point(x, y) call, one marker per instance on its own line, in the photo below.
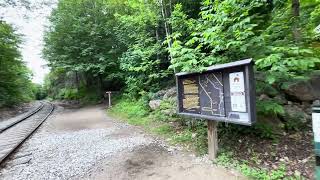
point(144, 158)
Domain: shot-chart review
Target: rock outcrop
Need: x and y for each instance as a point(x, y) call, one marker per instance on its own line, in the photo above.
point(304, 90)
point(154, 104)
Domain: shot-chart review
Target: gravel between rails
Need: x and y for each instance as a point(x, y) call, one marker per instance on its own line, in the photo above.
point(70, 154)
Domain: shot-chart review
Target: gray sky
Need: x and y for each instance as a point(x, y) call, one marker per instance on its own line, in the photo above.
point(31, 24)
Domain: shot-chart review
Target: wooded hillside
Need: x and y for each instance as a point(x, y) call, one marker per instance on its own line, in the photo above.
point(137, 46)
point(15, 77)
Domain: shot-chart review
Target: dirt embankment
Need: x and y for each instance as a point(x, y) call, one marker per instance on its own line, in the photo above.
point(9, 112)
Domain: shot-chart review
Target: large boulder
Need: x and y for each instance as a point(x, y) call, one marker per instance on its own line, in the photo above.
point(170, 93)
point(304, 90)
point(315, 84)
point(296, 113)
point(295, 117)
point(154, 104)
point(159, 94)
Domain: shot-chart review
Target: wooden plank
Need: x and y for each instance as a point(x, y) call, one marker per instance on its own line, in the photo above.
point(212, 139)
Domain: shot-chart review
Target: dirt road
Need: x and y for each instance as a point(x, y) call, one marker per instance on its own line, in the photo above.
point(87, 144)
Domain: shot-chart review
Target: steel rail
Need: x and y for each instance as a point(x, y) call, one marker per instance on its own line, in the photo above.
point(28, 114)
point(30, 129)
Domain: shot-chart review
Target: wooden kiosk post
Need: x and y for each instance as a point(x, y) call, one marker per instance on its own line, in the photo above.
point(212, 139)
point(224, 92)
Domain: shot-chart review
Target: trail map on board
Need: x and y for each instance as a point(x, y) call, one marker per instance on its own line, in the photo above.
point(211, 93)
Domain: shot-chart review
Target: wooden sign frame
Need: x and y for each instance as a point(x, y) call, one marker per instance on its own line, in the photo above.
point(236, 99)
point(224, 93)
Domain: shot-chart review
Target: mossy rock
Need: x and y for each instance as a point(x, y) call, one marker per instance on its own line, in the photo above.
point(295, 118)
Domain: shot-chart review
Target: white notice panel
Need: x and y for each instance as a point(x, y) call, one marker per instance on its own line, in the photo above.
point(237, 92)
point(316, 126)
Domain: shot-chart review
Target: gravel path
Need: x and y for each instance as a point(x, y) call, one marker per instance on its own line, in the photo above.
point(87, 144)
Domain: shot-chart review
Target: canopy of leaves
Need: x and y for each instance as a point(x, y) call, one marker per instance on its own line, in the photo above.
point(283, 45)
point(141, 43)
point(15, 84)
point(109, 41)
point(81, 40)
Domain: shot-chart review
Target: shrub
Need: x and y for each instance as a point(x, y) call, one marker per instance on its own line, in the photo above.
point(68, 94)
point(270, 107)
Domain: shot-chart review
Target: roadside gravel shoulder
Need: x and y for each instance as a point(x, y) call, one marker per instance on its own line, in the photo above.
point(86, 144)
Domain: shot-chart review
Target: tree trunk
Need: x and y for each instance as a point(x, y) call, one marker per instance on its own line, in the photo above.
point(170, 7)
point(295, 7)
point(164, 16)
point(157, 38)
point(100, 84)
point(77, 80)
point(166, 27)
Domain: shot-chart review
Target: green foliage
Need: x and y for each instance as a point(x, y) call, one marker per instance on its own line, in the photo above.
point(224, 32)
point(266, 88)
point(264, 130)
point(132, 109)
point(81, 37)
point(183, 137)
point(139, 44)
point(294, 123)
point(145, 62)
point(134, 112)
point(63, 85)
point(260, 129)
point(288, 55)
point(287, 62)
point(89, 96)
point(160, 116)
point(15, 83)
point(270, 107)
point(230, 30)
point(164, 129)
point(166, 112)
point(201, 139)
point(39, 92)
point(112, 42)
point(80, 42)
point(68, 94)
point(226, 159)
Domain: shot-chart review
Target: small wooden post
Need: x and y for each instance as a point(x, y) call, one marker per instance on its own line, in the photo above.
point(212, 139)
point(109, 98)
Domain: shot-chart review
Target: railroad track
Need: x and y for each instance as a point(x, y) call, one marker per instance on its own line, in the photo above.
point(15, 131)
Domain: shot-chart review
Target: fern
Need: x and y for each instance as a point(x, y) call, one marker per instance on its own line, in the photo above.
point(270, 107)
